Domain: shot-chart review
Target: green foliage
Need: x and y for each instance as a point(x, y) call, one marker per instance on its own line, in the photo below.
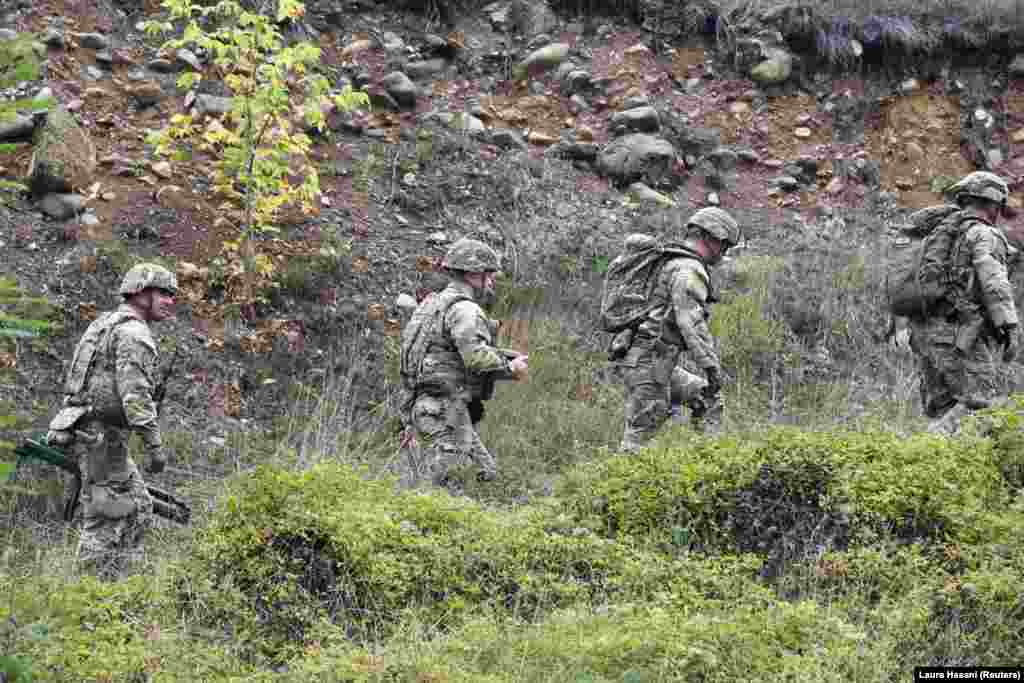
point(740, 323)
point(921, 487)
point(262, 148)
point(18, 61)
point(283, 556)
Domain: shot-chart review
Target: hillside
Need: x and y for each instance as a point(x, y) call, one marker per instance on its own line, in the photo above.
point(822, 538)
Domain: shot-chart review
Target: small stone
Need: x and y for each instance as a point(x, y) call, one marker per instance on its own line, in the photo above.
point(53, 38)
point(406, 302)
point(538, 138)
point(802, 132)
point(89, 219)
point(739, 107)
point(773, 163)
point(92, 41)
point(162, 66)
point(162, 169)
point(1018, 136)
point(910, 85)
point(108, 196)
point(713, 199)
point(638, 49)
point(585, 134)
point(914, 151)
point(437, 237)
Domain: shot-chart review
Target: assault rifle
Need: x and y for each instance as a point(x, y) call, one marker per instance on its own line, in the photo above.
point(164, 504)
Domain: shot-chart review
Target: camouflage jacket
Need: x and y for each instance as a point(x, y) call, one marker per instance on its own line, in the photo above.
point(111, 377)
point(684, 293)
point(460, 355)
point(982, 298)
point(980, 275)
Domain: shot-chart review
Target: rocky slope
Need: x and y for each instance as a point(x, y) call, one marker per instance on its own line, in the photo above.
point(549, 135)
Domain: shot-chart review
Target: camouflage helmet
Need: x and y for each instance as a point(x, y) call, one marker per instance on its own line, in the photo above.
point(981, 184)
point(471, 256)
point(146, 275)
point(717, 223)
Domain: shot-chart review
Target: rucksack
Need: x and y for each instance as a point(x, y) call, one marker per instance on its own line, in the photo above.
point(426, 324)
point(630, 280)
point(918, 267)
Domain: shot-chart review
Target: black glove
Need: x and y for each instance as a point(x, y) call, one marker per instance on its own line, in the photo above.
point(1010, 337)
point(156, 462)
point(714, 385)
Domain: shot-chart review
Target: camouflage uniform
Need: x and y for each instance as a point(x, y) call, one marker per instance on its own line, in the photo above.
point(108, 394)
point(447, 385)
point(684, 293)
point(957, 346)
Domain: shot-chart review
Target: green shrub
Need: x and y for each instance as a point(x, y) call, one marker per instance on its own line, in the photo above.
point(749, 492)
point(18, 61)
point(290, 551)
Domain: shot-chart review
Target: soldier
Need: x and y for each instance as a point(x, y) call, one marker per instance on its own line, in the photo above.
point(449, 366)
point(677, 323)
point(108, 393)
point(957, 342)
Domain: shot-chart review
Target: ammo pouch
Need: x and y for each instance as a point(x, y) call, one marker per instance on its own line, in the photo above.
point(620, 344)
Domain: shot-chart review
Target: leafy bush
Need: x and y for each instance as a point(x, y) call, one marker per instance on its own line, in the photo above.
point(289, 552)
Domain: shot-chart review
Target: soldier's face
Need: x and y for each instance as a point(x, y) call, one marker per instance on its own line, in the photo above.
point(161, 304)
point(484, 284)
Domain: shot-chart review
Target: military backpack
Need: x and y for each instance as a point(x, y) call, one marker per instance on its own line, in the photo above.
point(630, 279)
point(919, 258)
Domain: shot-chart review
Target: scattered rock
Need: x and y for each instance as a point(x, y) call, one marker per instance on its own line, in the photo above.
point(635, 102)
point(426, 68)
point(507, 138)
point(538, 61)
point(646, 194)
point(1018, 136)
point(438, 237)
point(162, 66)
point(641, 120)
point(18, 130)
point(585, 133)
point(536, 137)
point(92, 41)
point(406, 302)
point(638, 49)
point(53, 38)
point(637, 157)
point(162, 169)
point(776, 67)
point(64, 156)
point(146, 93)
point(401, 88)
point(212, 105)
point(910, 85)
point(786, 182)
point(914, 151)
point(93, 73)
point(189, 59)
point(802, 132)
point(1017, 66)
point(576, 81)
point(61, 206)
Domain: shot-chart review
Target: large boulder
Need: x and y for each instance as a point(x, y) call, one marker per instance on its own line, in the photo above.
point(64, 157)
point(776, 67)
point(637, 157)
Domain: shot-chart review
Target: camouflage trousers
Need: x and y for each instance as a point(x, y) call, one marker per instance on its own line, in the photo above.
point(647, 372)
point(953, 382)
point(445, 440)
point(116, 507)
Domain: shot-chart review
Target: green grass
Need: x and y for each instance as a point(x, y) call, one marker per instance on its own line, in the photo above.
point(18, 61)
